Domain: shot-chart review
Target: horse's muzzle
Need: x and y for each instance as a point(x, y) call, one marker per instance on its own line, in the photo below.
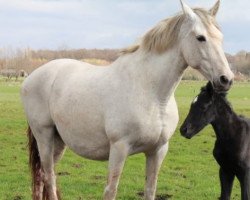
point(223, 84)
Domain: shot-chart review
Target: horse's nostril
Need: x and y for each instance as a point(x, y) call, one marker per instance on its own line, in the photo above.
point(224, 80)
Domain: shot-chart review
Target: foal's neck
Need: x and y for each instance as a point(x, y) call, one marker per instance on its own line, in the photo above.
point(159, 74)
point(226, 121)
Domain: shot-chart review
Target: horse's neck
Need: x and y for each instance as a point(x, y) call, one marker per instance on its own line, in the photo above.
point(226, 122)
point(158, 74)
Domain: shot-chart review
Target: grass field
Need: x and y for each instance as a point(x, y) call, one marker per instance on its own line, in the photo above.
point(189, 171)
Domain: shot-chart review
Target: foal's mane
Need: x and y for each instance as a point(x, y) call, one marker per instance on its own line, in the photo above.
point(166, 33)
point(220, 96)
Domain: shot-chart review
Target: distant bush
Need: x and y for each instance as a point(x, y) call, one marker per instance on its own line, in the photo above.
point(241, 63)
point(191, 74)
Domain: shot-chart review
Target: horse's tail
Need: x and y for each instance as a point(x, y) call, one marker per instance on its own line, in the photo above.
point(38, 188)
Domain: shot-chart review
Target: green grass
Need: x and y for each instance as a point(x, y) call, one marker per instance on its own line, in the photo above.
point(189, 171)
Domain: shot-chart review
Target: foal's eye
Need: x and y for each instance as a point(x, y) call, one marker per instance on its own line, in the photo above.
point(201, 38)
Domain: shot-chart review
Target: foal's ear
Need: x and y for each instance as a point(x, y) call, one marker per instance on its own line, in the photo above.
point(209, 88)
point(214, 10)
point(187, 10)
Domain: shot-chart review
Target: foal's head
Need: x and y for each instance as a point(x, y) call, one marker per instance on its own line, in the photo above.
point(203, 111)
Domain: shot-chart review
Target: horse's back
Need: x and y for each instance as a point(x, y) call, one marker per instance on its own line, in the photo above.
point(36, 89)
point(48, 71)
point(44, 76)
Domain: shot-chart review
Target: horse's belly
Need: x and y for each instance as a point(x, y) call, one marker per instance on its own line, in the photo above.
point(91, 145)
point(79, 120)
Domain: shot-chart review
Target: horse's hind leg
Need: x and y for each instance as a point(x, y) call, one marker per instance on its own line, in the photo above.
point(59, 148)
point(35, 167)
point(244, 179)
point(45, 137)
point(226, 181)
point(153, 164)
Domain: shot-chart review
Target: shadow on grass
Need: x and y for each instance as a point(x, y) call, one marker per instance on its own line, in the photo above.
point(158, 196)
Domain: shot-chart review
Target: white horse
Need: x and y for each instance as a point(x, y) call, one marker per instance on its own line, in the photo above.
point(109, 113)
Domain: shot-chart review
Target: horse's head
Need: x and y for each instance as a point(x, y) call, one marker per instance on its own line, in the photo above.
point(201, 113)
point(201, 45)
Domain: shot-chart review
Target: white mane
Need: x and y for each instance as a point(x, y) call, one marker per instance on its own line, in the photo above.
point(166, 33)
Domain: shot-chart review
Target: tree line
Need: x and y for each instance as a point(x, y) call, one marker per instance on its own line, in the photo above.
point(29, 59)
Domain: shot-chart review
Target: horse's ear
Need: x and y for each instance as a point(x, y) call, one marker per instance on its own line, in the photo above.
point(187, 10)
point(214, 10)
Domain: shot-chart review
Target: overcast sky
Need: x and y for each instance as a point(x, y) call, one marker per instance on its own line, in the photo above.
point(55, 24)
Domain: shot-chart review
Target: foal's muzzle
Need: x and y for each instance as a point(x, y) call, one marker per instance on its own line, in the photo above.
point(184, 131)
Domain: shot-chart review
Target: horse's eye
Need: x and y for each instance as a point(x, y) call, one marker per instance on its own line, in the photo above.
point(201, 38)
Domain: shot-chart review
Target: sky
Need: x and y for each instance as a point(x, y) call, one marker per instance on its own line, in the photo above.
point(73, 24)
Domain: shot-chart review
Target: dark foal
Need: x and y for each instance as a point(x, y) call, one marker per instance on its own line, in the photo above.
point(232, 146)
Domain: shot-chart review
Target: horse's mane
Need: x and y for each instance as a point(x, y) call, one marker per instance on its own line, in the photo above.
point(166, 33)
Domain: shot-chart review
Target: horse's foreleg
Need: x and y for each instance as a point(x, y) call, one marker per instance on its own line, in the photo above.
point(153, 164)
point(226, 181)
point(117, 157)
